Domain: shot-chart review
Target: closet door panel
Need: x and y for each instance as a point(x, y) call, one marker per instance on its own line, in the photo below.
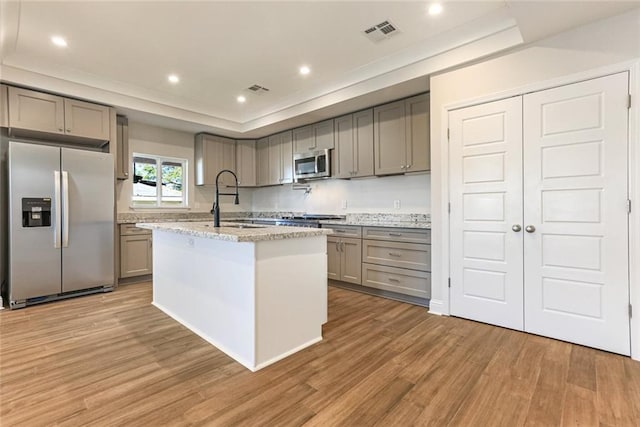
point(486, 203)
point(575, 184)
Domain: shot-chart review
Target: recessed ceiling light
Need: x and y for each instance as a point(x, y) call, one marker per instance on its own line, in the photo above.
point(304, 70)
point(435, 9)
point(173, 78)
point(241, 99)
point(59, 41)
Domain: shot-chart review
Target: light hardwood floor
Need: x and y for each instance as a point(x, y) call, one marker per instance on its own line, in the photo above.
point(113, 359)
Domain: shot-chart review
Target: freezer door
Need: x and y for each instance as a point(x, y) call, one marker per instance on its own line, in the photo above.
point(34, 259)
point(87, 220)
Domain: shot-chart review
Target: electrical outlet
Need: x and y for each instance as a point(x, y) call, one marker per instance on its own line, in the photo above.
point(396, 204)
point(344, 204)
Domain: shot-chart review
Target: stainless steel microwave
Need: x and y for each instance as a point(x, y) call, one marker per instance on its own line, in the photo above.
point(312, 165)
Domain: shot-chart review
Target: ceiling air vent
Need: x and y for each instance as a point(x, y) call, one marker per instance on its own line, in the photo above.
point(257, 89)
point(381, 31)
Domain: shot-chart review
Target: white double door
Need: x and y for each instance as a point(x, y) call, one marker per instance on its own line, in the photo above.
point(539, 217)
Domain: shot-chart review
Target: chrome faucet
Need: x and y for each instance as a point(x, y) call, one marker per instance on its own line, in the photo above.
point(216, 204)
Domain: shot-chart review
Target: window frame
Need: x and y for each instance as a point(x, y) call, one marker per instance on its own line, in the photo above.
point(159, 204)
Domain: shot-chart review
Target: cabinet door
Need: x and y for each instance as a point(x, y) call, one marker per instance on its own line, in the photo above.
point(417, 124)
point(323, 135)
point(262, 155)
point(303, 139)
point(351, 261)
point(286, 158)
point(122, 151)
point(36, 111)
point(246, 163)
point(363, 143)
point(389, 138)
point(86, 120)
point(333, 258)
point(4, 107)
point(343, 155)
point(135, 255)
point(213, 154)
point(275, 161)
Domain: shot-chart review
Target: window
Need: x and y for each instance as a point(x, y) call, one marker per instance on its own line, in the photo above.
point(159, 181)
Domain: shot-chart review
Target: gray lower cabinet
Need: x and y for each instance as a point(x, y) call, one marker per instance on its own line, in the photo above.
point(397, 260)
point(344, 259)
point(135, 251)
point(386, 258)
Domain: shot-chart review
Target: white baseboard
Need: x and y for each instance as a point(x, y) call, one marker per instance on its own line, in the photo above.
point(437, 307)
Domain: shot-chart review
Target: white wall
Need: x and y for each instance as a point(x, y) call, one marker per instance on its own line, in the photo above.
point(147, 139)
point(361, 195)
point(607, 42)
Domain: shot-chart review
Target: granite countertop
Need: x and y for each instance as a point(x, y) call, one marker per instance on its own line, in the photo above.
point(234, 234)
point(378, 223)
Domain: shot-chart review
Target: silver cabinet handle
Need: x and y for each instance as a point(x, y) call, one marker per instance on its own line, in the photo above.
point(394, 254)
point(530, 229)
point(402, 167)
point(339, 231)
point(516, 227)
point(395, 234)
point(338, 246)
point(68, 129)
point(392, 279)
point(408, 166)
point(61, 129)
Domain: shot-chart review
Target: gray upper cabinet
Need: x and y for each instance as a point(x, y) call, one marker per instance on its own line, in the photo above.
point(43, 112)
point(417, 133)
point(86, 120)
point(246, 162)
point(318, 136)
point(389, 138)
point(4, 107)
point(401, 136)
point(280, 158)
point(353, 155)
point(36, 111)
point(214, 154)
point(122, 151)
point(262, 159)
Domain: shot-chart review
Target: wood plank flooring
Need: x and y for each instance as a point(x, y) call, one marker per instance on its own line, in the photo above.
point(113, 359)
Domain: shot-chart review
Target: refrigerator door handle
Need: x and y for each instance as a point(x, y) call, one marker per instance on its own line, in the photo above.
point(65, 204)
point(58, 218)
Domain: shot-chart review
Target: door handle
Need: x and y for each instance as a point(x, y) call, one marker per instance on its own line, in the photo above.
point(65, 204)
point(530, 229)
point(517, 228)
point(57, 242)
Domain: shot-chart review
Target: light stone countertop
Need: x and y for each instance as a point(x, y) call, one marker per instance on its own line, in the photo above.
point(378, 223)
point(251, 233)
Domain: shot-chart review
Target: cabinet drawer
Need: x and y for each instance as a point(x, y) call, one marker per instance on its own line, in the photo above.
point(408, 282)
point(403, 255)
point(409, 235)
point(344, 230)
point(131, 229)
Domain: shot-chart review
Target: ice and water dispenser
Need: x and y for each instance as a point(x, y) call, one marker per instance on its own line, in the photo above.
point(36, 212)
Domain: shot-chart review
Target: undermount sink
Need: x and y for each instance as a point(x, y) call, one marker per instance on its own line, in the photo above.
point(243, 226)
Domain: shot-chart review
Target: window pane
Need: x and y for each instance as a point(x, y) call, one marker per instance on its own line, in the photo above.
point(172, 191)
point(144, 181)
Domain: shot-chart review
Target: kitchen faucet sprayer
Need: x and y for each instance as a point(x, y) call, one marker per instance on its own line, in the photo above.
point(216, 203)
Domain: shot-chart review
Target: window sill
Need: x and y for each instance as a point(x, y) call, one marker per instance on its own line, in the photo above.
point(159, 208)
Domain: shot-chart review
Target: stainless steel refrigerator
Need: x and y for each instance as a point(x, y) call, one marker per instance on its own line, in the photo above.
point(61, 222)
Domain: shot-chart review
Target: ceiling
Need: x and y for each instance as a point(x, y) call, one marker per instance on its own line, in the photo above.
point(121, 53)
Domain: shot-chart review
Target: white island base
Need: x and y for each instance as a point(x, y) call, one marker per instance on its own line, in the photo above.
point(257, 301)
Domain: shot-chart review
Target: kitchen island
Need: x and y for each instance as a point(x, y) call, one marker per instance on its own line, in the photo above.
point(257, 293)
